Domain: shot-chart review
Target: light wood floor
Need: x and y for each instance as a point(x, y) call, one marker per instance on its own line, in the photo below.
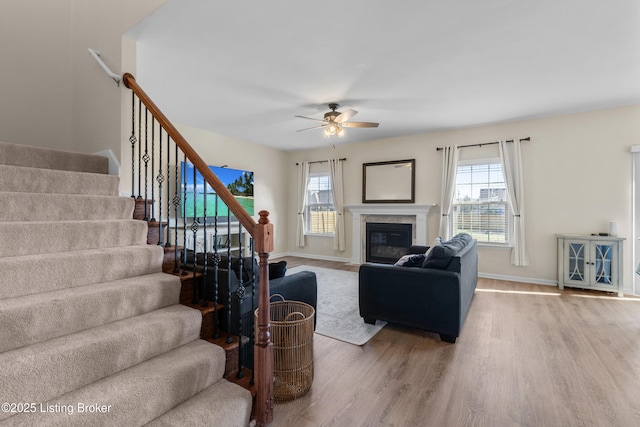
point(528, 355)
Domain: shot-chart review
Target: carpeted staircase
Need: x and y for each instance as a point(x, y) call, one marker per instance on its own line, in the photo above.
point(91, 330)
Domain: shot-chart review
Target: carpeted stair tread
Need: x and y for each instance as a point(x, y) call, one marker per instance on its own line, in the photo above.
point(59, 207)
point(140, 394)
point(46, 158)
point(232, 404)
point(30, 274)
point(35, 180)
point(39, 317)
point(44, 371)
point(41, 237)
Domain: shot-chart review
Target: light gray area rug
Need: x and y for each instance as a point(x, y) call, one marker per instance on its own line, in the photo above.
point(338, 308)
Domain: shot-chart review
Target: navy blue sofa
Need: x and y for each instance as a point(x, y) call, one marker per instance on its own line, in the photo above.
point(432, 299)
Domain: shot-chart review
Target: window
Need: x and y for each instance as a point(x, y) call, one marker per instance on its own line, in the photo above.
point(320, 213)
point(480, 205)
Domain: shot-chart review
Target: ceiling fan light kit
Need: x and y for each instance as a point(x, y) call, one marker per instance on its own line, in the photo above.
point(334, 122)
point(333, 129)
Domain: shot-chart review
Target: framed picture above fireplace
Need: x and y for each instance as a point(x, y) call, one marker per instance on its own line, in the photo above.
point(389, 182)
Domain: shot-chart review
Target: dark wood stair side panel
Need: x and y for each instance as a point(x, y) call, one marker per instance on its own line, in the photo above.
point(153, 235)
point(207, 330)
point(231, 349)
point(232, 353)
point(171, 260)
point(138, 210)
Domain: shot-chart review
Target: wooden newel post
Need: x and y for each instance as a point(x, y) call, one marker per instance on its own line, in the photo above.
point(263, 359)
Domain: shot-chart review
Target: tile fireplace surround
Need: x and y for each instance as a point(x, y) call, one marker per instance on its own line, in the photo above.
point(386, 213)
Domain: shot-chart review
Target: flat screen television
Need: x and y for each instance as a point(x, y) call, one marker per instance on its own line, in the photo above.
point(238, 182)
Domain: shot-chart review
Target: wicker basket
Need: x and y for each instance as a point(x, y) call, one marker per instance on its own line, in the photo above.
point(292, 338)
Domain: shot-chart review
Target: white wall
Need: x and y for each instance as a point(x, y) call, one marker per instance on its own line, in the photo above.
point(53, 93)
point(577, 179)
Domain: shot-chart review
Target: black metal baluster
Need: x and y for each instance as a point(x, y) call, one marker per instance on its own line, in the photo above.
point(240, 292)
point(145, 158)
point(252, 336)
point(153, 158)
point(184, 218)
point(229, 273)
point(194, 229)
point(139, 149)
point(132, 140)
point(168, 243)
point(216, 261)
point(204, 302)
point(160, 179)
point(176, 203)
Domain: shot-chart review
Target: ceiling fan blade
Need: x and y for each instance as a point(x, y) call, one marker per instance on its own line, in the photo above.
point(346, 115)
point(310, 118)
point(315, 127)
point(359, 125)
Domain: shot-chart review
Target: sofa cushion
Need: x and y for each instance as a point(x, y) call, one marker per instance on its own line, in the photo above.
point(277, 269)
point(411, 260)
point(249, 268)
point(439, 256)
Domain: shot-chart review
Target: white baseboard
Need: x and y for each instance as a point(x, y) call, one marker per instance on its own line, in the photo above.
point(309, 256)
point(518, 279)
point(626, 291)
point(114, 165)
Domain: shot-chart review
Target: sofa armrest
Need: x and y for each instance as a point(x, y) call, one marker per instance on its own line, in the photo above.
point(301, 286)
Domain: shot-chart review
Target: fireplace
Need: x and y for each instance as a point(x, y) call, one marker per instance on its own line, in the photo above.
point(401, 213)
point(386, 242)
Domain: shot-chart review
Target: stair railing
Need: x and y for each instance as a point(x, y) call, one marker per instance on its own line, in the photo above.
point(261, 232)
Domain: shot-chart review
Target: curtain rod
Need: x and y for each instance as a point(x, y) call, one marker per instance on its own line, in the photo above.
point(323, 161)
point(485, 143)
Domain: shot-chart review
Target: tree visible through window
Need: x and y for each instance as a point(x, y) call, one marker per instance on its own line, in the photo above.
point(320, 213)
point(480, 204)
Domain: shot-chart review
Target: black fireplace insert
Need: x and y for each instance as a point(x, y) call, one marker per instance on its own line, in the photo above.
point(387, 242)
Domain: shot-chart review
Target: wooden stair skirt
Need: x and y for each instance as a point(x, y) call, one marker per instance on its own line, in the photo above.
point(209, 323)
point(141, 211)
point(171, 265)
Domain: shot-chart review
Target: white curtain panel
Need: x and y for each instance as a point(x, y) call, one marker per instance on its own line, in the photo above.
point(335, 171)
point(511, 158)
point(303, 178)
point(449, 170)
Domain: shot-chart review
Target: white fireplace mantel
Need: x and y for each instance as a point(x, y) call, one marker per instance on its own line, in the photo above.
point(420, 213)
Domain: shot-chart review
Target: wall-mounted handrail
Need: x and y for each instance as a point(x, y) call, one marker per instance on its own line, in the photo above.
point(96, 56)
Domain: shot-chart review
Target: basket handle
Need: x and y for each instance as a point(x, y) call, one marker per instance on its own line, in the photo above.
point(277, 295)
point(293, 314)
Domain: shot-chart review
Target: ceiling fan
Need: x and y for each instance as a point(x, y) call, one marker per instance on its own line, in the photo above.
point(334, 121)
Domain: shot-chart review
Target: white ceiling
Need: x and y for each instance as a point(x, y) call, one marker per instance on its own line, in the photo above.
point(245, 68)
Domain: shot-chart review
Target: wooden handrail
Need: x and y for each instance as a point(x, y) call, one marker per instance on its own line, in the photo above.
point(234, 206)
point(262, 233)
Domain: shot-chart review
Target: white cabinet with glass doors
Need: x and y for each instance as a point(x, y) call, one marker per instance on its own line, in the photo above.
point(590, 262)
